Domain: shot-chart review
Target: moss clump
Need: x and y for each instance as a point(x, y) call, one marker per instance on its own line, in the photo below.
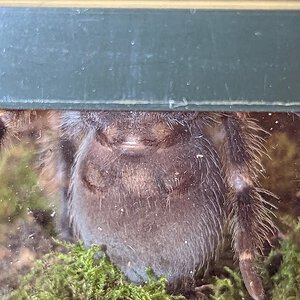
point(230, 287)
point(286, 282)
point(79, 274)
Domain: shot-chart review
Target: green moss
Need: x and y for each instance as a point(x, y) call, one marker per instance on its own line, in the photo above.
point(286, 282)
point(78, 274)
point(229, 287)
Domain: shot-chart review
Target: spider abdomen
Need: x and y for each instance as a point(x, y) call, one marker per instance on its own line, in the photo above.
point(159, 208)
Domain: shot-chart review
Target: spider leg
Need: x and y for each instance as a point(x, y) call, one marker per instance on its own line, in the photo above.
point(67, 157)
point(2, 131)
point(249, 218)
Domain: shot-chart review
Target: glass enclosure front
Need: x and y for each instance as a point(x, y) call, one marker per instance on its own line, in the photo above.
point(138, 185)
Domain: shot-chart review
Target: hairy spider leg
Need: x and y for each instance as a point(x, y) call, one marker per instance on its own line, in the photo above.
point(249, 218)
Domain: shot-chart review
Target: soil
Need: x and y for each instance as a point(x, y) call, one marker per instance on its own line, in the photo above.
point(22, 242)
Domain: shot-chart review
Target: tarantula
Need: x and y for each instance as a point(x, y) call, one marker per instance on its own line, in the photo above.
point(158, 188)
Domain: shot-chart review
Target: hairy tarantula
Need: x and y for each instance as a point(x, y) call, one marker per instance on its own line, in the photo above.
point(157, 188)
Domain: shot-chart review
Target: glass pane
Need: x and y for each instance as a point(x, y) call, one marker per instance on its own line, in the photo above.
point(190, 195)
